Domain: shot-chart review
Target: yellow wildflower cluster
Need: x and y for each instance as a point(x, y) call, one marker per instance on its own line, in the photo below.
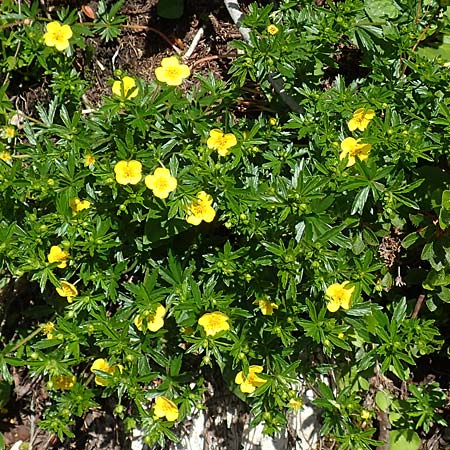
point(353, 148)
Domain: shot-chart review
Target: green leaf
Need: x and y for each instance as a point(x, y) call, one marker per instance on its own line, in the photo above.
point(381, 9)
point(410, 239)
point(444, 213)
point(403, 440)
point(360, 200)
point(383, 400)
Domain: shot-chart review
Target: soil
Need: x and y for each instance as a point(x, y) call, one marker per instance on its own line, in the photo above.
point(144, 41)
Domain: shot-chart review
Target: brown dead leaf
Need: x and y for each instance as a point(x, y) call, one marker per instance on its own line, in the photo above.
point(88, 11)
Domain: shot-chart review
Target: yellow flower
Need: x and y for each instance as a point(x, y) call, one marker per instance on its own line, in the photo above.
point(161, 182)
point(89, 160)
point(353, 149)
point(78, 205)
point(153, 321)
point(128, 172)
point(249, 383)
point(361, 118)
point(341, 335)
point(125, 88)
point(266, 306)
point(64, 382)
point(48, 329)
point(165, 408)
point(339, 296)
point(102, 365)
point(5, 156)
point(57, 36)
point(214, 323)
point(273, 121)
point(272, 29)
point(57, 254)
point(67, 290)
point(295, 404)
point(171, 71)
point(8, 132)
point(200, 209)
point(365, 414)
point(221, 142)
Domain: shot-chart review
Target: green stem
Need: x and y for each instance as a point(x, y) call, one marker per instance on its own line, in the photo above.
point(26, 339)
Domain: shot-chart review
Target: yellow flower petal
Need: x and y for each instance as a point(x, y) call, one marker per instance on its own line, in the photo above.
point(214, 322)
point(171, 71)
point(165, 408)
point(128, 172)
point(57, 254)
point(162, 183)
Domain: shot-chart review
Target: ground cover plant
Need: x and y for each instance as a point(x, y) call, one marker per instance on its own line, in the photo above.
point(282, 224)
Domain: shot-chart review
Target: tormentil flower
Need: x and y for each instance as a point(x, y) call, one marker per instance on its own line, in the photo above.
point(67, 290)
point(214, 322)
point(165, 408)
point(64, 382)
point(153, 321)
point(8, 132)
point(48, 329)
point(266, 306)
point(57, 254)
point(171, 71)
point(78, 205)
point(295, 404)
point(339, 296)
point(249, 383)
point(361, 118)
point(89, 160)
point(5, 156)
point(353, 149)
point(272, 29)
point(128, 172)
point(221, 142)
point(102, 365)
point(162, 183)
point(57, 36)
point(125, 88)
point(200, 209)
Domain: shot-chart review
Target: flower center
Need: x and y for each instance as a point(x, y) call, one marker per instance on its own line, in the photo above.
point(161, 184)
point(199, 209)
point(173, 72)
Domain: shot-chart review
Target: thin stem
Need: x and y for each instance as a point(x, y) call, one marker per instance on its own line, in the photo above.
point(26, 339)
